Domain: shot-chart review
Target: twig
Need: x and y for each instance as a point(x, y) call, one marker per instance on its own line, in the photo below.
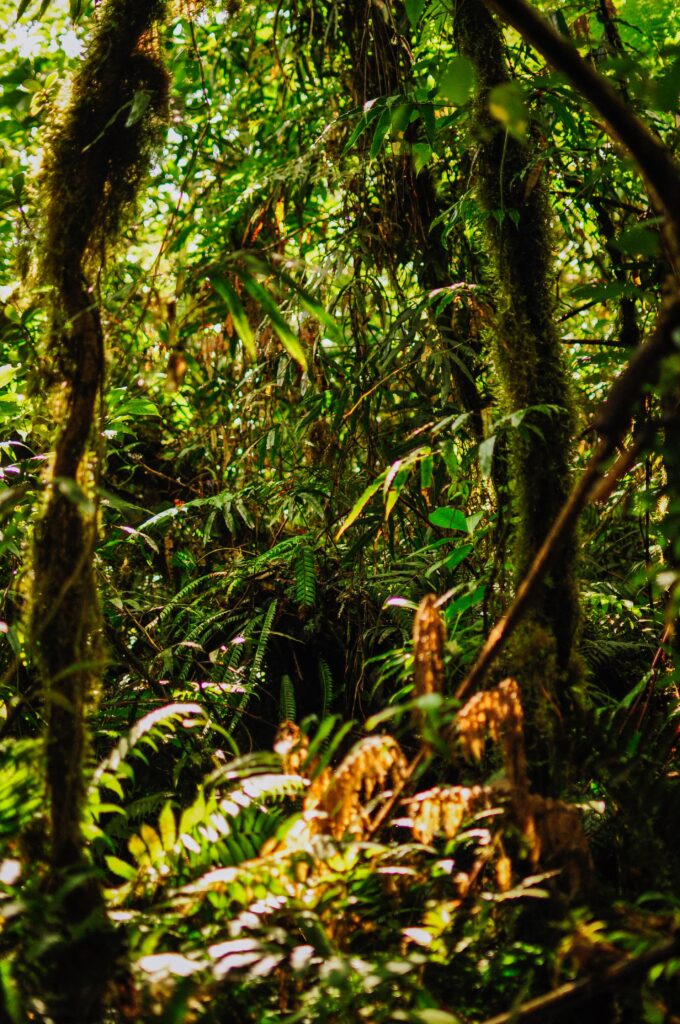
point(566, 997)
point(387, 807)
point(549, 549)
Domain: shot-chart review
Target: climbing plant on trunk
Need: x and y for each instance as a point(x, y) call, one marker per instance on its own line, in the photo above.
point(94, 162)
point(525, 343)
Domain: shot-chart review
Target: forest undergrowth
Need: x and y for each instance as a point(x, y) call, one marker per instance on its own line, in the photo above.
point(339, 511)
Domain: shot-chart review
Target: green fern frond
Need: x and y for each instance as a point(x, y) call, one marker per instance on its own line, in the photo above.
point(327, 688)
point(187, 591)
point(287, 705)
point(20, 790)
point(305, 578)
point(158, 724)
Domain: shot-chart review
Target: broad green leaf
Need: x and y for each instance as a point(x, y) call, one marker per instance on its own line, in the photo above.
point(7, 373)
point(167, 826)
point(426, 472)
point(153, 842)
point(414, 9)
point(237, 312)
point(422, 154)
point(432, 1016)
point(508, 105)
point(401, 115)
point(457, 82)
point(451, 561)
point(449, 519)
point(286, 335)
point(639, 240)
point(121, 868)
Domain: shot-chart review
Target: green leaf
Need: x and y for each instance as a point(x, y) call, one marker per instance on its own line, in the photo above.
point(395, 488)
point(121, 868)
point(287, 337)
point(449, 519)
point(638, 240)
point(360, 504)
point(381, 130)
point(508, 105)
point(422, 154)
point(140, 102)
point(237, 313)
point(433, 1016)
point(414, 10)
point(167, 826)
point(400, 118)
point(426, 472)
point(457, 82)
point(7, 373)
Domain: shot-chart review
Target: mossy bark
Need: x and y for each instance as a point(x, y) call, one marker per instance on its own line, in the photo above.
point(526, 347)
point(94, 161)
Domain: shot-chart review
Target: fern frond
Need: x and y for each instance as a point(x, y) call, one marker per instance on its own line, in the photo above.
point(185, 592)
point(305, 578)
point(327, 687)
point(342, 794)
point(287, 705)
point(159, 723)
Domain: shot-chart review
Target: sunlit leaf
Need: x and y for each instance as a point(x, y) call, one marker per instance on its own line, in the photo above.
point(457, 81)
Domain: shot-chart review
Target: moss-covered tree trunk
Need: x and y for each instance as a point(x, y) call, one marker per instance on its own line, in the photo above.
point(94, 160)
point(526, 346)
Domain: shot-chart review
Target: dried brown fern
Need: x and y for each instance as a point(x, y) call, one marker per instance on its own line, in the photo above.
point(335, 799)
point(442, 809)
point(555, 833)
point(496, 714)
point(552, 828)
point(429, 636)
point(293, 746)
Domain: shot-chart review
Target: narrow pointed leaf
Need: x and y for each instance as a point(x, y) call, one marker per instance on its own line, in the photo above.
point(287, 336)
point(238, 314)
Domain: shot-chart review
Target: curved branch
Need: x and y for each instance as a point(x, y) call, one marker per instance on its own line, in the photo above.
point(611, 422)
point(657, 165)
point(576, 993)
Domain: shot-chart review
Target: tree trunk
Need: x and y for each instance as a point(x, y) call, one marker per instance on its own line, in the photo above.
point(526, 346)
point(94, 161)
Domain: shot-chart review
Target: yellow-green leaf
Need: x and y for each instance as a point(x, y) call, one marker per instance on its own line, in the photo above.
point(167, 827)
point(360, 504)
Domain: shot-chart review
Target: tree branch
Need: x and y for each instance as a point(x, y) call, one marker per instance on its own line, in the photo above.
point(611, 422)
point(575, 993)
point(659, 169)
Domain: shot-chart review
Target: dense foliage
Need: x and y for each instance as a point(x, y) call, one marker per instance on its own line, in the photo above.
point(315, 318)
